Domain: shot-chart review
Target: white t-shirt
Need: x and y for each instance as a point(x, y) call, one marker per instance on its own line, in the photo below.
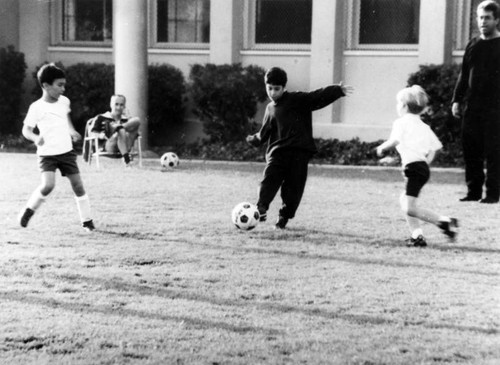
point(52, 122)
point(416, 139)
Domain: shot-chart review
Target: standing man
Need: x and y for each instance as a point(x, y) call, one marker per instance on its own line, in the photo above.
point(476, 99)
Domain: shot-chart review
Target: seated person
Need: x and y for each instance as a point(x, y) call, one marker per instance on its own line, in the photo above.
point(117, 128)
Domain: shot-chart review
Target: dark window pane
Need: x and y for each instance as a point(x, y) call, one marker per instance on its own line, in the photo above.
point(389, 21)
point(186, 21)
point(87, 20)
point(283, 21)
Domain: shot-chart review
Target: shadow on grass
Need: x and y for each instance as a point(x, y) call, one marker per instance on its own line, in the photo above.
point(171, 294)
point(114, 311)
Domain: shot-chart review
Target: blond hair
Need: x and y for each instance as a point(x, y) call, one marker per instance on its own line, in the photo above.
point(414, 98)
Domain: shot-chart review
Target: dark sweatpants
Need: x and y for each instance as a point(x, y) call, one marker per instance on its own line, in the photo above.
point(481, 142)
point(287, 169)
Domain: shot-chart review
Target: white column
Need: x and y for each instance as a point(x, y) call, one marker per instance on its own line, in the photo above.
point(34, 38)
point(326, 56)
point(226, 36)
point(435, 32)
point(130, 52)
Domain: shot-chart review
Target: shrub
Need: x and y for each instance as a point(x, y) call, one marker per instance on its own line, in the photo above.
point(439, 82)
point(226, 99)
point(12, 74)
point(90, 86)
point(167, 89)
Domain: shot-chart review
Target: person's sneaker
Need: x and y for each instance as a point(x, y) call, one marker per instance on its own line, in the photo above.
point(416, 242)
point(262, 215)
point(489, 200)
point(281, 222)
point(470, 198)
point(25, 217)
point(449, 228)
point(126, 159)
point(88, 225)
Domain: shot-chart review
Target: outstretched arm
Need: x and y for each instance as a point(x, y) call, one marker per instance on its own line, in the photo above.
point(387, 145)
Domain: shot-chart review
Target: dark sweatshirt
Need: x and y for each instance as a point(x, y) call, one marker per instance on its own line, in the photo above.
point(479, 82)
point(287, 122)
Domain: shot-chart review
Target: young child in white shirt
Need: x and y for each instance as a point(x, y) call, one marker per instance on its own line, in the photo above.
point(50, 115)
point(417, 144)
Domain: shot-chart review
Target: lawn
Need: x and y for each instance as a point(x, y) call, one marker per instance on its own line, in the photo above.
point(167, 279)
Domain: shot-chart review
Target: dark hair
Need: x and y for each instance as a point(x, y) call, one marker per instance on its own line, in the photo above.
point(490, 5)
point(48, 73)
point(276, 76)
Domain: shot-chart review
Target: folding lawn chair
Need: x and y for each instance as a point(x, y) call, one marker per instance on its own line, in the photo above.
point(93, 147)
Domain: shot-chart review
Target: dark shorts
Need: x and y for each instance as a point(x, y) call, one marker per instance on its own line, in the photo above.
point(66, 163)
point(417, 174)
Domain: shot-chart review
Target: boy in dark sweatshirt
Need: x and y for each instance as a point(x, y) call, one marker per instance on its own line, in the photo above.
point(287, 127)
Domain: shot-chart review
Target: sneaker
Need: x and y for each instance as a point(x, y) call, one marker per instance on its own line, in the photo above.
point(88, 226)
point(126, 159)
point(263, 215)
point(449, 228)
point(470, 198)
point(281, 222)
point(489, 200)
point(25, 217)
point(416, 242)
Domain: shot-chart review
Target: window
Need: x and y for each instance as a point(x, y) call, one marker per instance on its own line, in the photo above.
point(183, 21)
point(86, 20)
point(279, 24)
point(383, 24)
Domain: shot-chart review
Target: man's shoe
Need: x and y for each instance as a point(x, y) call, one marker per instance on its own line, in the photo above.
point(88, 226)
point(126, 159)
point(25, 217)
point(416, 242)
point(449, 228)
point(281, 222)
point(489, 200)
point(470, 198)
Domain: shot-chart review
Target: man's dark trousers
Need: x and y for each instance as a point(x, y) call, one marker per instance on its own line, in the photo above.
point(286, 168)
point(481, 142)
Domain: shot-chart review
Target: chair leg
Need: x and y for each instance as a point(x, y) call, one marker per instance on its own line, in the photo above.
point(140, 151)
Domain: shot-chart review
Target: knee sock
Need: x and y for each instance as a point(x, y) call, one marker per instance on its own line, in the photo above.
point(83, 204)
point(36, 200)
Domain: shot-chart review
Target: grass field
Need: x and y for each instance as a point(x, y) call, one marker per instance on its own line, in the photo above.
point(167, 279)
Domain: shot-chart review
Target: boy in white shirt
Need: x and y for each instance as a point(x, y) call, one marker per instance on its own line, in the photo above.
point(417, 145)
point(50, 114)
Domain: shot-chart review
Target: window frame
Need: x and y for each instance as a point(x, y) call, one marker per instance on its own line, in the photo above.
point(249, 33)
point(56, 13)
point(153, 33)
point(352, 14)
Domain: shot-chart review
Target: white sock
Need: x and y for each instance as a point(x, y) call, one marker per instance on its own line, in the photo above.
point(416, 233)
point(36, 200)
point(444, 218)
point(83, 204)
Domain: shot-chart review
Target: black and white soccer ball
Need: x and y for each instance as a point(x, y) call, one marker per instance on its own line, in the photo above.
point(245, 216)
point(169, 160)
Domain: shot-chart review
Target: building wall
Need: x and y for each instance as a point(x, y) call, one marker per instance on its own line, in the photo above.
point(375, 75)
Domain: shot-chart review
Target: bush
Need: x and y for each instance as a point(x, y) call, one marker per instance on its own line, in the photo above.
point(167, 89)
point(226, 99)
point(12, 74)
point(90, 86)
point(439, 82)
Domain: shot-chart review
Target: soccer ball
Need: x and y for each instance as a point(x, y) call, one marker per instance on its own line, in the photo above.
point(169, 160)
point(245, 216)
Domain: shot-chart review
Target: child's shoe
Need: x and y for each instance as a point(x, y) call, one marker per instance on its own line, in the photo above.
point(88, 226)
point(281, 222)
point(262, 215)
point(449, 228)
point(25, 217)
point(416, 242)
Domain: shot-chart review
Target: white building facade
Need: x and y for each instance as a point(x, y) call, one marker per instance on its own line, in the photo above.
point(373, 45)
